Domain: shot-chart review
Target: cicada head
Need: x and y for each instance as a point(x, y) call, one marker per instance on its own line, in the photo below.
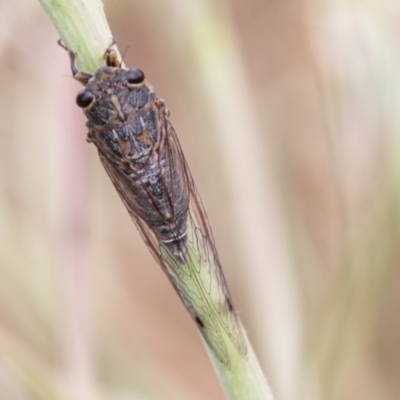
point(114, 96)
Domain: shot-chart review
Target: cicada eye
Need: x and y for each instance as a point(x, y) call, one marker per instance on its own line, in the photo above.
point(84, 98)
point(134, 76)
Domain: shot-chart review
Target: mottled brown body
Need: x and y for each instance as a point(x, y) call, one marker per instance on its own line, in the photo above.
point(140, 151)
point(129, 125)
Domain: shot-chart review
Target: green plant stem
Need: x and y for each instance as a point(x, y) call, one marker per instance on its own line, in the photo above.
point(83, 29)
point(240, 374)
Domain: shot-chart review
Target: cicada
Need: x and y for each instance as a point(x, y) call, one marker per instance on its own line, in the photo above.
point(139, 149)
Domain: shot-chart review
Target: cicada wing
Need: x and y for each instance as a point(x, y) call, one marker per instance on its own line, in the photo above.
point(175, 174)
point(183, 277)
point(204, 258)
point(213, 282)
point(198, 280)
point(186, 281)
point(124, 190)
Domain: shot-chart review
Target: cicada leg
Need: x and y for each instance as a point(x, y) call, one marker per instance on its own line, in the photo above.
point(111, 56)
point(82, 77)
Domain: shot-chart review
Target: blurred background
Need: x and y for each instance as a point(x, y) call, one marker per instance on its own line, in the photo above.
point(288, 113)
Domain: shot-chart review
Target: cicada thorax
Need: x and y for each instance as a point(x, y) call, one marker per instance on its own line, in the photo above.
point(128, 124)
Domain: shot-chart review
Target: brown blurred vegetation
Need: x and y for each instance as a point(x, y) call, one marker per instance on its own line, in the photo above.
point(288, 113)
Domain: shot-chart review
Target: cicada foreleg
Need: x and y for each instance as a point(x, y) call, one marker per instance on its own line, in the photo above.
point(111, 56)
point(80, 76)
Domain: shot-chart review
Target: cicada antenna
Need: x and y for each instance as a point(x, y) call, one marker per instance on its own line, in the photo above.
point(123, 55)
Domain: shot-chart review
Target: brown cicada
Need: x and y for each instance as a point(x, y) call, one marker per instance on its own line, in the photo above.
point(141, 153)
